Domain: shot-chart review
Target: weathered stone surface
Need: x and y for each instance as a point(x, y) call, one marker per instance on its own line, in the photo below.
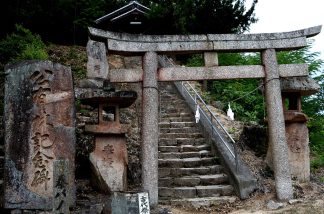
point(150, 128)
point(97, 66)
point(207, 73)
point(276, 125)
point(186, 181)
point(304, 85)
point(90, 83)
point(40, 128)
point(198, 203)
point(94, 97)
point(178, 43)
point(126, 75)
point(109, 163)
point(214, 190)
point(184, 192)
point(298, 150)
point(274, 205)
point(62, 191)
point(295, 116)
point(211, 59)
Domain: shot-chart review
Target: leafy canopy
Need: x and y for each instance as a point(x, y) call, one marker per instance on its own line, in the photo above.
point(66, 21)
point(201, 16)
point(22, 45)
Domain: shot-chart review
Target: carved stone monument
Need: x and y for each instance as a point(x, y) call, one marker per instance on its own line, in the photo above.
point(97, 66)
point(39, 129)
point(109, 159)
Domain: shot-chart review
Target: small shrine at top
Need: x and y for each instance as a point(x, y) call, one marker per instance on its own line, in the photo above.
point(131, 18)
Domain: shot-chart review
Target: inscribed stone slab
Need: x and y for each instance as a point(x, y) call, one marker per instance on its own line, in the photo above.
point(39, 128)
point(97, 65)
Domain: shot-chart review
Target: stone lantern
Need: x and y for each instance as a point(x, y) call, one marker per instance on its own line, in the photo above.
point(109, 158)
point(296, 124)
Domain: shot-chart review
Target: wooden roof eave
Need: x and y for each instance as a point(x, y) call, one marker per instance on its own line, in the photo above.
point(126, 14)
point(130, 6)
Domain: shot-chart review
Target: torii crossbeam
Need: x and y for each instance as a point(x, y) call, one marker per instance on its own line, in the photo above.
point(150, 46)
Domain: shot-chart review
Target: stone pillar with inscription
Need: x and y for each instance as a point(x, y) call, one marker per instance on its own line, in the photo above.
point(97, 65)
point(109, 158)
point(39, 128)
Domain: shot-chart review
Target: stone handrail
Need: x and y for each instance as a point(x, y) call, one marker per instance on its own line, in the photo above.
point(135, 43)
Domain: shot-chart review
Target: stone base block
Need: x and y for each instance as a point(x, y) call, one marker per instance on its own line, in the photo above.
point(109, 163)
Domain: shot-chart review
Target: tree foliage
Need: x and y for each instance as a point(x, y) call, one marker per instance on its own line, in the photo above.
point(242, 94)
point(58, 21)
point(248, 104)
point(22, 45)
point(66, 21)
point(201, 16)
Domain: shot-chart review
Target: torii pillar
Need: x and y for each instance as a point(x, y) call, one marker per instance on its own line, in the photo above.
point(150, 132)
point(276, 121)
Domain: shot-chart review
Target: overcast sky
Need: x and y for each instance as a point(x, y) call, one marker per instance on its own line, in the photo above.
point(290, 15)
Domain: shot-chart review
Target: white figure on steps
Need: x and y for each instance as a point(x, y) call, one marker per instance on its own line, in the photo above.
point(197, 115)
point(230, 113)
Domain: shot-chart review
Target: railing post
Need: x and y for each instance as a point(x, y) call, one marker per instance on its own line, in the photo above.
point(236, 159)
point(211, 124)
point(182, 86)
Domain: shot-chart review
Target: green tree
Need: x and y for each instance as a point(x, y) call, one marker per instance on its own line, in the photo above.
point(201, 16)
point(66, 21)
point(21, 45)
point(58, 21)
point(248, 102)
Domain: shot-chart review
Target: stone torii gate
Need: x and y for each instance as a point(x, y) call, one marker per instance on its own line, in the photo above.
point(150, 46)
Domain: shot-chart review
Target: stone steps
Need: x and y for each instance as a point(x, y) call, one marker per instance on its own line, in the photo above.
point(178, 172)
point(179, 130)
point(181, 141)
point(181, 135)
point(192, 181)
point(197, 203)
point(196, 191)
point(187, 167)
point(184, 148)
point(176, 124)
point(176, 114)
point(177, 119)
point(181, 155)
point(180, 108)
point(187, 162)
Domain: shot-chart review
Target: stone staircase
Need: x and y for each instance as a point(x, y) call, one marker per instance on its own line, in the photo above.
point(187, 167)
